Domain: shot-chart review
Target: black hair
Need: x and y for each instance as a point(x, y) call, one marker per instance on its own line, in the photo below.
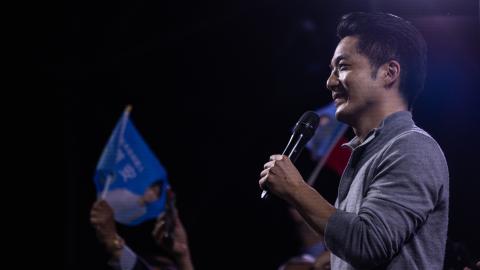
point(383, 37)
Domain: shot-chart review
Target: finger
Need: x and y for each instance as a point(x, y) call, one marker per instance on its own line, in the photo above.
point(275, 171)
point(97, 212)
point(269, 164)
point(161, 216)
point(94, 220)
point(104, 205)
point(101, 203)
point(95, 206)
point(157, 235)
point(263, 182)
point(158, 227)
point(276, 157)
point(264, 173)
point(98, 209)
point(176, 217)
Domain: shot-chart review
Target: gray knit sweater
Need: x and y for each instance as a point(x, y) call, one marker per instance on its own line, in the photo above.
point(392, 205)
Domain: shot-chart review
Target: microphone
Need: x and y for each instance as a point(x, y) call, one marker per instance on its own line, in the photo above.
point(302, 133)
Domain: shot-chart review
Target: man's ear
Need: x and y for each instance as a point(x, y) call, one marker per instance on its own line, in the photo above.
point(391, 73)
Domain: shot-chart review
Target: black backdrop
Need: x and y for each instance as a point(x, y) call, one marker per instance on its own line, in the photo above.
point(215, 88)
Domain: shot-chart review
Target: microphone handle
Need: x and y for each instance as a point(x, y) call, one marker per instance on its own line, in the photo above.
point(293, 155)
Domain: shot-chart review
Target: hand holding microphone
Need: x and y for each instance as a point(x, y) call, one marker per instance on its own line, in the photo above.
point(279, 173)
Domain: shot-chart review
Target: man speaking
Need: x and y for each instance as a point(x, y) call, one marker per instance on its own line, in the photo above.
point(392, 206)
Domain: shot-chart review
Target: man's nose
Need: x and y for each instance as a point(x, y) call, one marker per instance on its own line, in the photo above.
point(332, 81)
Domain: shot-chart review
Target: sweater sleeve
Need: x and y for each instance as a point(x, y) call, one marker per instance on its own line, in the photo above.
point(403, 191)
point(127, 261)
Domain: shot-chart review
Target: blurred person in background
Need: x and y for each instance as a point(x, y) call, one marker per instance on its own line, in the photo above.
point(168, 233)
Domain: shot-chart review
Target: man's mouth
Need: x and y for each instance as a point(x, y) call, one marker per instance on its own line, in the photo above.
point(339, 98)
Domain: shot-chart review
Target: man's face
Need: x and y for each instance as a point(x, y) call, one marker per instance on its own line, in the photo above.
point(354, 91)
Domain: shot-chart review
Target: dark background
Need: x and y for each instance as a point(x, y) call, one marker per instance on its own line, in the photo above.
point(216, 87)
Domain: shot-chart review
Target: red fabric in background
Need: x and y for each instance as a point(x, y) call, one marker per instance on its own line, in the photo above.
point(339, 156)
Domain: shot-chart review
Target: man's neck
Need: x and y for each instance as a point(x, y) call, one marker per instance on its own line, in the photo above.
point(373, 118)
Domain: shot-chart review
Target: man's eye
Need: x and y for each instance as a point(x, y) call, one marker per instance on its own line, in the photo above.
point(342, 66)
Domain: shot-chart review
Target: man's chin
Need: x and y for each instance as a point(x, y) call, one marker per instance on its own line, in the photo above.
point(342, 114)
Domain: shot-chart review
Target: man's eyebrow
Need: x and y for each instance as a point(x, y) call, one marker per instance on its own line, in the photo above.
point(338, 59)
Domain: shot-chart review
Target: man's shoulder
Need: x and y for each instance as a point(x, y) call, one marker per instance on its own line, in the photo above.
point(414, 138)
point(416, 146)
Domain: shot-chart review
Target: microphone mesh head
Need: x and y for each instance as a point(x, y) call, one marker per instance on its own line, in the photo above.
point(307, 124)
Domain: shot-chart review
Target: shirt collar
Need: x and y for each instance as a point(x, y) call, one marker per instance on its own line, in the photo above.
point(391, 122)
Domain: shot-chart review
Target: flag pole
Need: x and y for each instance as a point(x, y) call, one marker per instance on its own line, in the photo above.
point(126, 114)
point(107, 186)
point(323, 160)
point(110, 178)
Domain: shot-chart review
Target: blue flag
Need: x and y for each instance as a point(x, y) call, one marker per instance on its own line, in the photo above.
point(328, 133)
point(129, 176)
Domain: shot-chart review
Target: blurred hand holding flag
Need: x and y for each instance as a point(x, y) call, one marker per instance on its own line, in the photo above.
point(325, 144)
point(129, 176)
